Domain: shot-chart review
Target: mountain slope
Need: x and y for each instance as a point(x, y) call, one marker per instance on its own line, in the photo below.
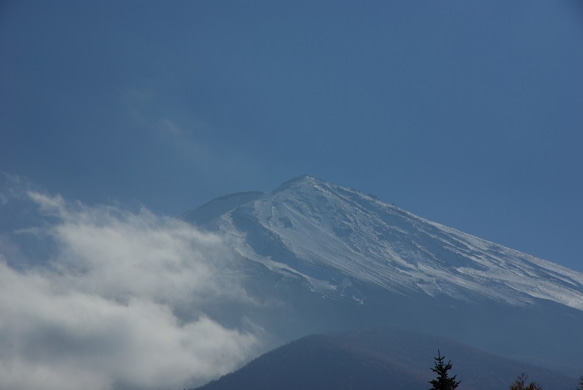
point(327, 234)
point(379, 359)
point(321, 257)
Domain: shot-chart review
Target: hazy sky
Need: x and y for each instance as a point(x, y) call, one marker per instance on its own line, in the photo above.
point(465, 112)
point(115, 115)
point(468, 113)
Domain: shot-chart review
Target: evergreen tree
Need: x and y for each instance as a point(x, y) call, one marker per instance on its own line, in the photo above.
point(520, 384)
point(580, 387)
point(443, 380)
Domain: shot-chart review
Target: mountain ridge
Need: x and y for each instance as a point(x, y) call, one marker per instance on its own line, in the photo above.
point(322, 257)
point(382, 244)
point(379, 358)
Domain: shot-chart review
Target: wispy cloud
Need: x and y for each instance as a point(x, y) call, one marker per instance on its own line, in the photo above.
point(12, 187)
point(188, 137)
point(184, 143)
point(104, 314)
point(142, 106)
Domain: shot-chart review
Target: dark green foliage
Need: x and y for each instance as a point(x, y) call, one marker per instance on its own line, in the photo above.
point(520, 384)
point(580, 387)
point(443, 380)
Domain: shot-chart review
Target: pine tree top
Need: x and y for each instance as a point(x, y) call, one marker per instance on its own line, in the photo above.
point(443, 380)
point(520, 384)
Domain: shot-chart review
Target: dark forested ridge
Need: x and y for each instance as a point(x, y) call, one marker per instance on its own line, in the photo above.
point(380, 358)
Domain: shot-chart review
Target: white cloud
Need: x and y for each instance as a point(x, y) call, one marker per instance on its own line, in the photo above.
point(103, 314)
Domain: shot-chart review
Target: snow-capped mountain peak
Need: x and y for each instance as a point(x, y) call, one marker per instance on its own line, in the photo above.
point(335, 237)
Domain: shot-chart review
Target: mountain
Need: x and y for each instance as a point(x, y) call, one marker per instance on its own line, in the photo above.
point(319, 257)
point(379, 359)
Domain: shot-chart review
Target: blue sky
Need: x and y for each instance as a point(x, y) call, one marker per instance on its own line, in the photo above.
point(468, 113)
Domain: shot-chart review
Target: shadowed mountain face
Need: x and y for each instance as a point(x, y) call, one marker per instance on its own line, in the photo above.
point(319, 257)
point(379, 359)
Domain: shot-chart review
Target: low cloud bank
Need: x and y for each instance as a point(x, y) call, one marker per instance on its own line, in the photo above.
point(102, 312)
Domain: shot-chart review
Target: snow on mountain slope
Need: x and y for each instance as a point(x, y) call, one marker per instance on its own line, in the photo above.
point(332, 236)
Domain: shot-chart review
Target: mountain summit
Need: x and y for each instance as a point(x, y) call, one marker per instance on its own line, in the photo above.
point(331, 235)
point(340, 259)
